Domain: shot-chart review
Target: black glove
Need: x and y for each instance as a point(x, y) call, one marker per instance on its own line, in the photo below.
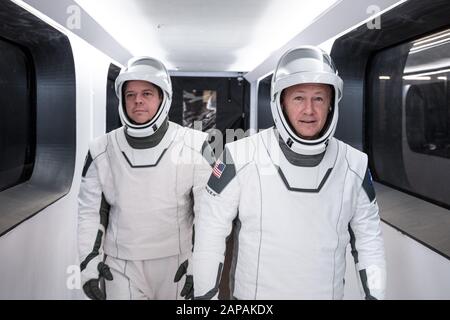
point(188, 290)
point(93, 288)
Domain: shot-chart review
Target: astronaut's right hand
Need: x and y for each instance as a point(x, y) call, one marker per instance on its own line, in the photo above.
point(92, 284)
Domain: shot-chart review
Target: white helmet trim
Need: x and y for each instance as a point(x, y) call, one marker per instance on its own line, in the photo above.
point(296, 72)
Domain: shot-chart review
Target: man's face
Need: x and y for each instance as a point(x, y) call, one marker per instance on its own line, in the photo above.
point(306, 106)
point(142, 100)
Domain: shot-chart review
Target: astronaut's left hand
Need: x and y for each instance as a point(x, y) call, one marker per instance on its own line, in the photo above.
point(188, 290)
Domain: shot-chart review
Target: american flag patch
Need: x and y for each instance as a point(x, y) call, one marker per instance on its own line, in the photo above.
point(218, 169)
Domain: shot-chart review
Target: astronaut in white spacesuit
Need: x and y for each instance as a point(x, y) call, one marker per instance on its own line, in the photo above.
point(297, 196)
point(139, 191)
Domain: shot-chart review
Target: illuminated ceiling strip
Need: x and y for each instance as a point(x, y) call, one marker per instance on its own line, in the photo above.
point(433, 44)
point(416, 78)
point(429, 73)
point(425, 40)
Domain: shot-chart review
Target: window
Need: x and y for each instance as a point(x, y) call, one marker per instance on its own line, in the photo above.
point(17, 120)
point(427, 120)
point(199, 107)
point(218, 102)
point(410, 116)
point(37, 115)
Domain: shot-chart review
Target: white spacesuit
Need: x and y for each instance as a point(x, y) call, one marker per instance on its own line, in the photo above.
point(140, 187)
point(296, 205)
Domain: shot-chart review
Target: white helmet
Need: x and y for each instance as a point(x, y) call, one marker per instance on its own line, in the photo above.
point(305, 64)
point(151, 70)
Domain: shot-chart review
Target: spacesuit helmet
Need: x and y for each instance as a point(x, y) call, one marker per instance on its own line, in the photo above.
point(305, 64)
point(153, 71)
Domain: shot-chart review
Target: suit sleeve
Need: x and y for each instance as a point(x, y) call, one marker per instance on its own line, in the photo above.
point(93, 213)
point(367, 243)
point(217, 211)
point(201, 174)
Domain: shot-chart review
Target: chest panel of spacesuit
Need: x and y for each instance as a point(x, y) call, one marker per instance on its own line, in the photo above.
point(150, 199)
point(302, 235)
